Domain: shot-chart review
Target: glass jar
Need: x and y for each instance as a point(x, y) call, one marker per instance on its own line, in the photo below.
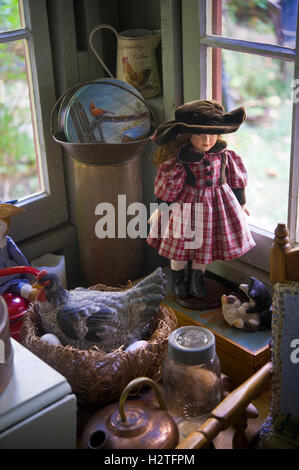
point(191, 377)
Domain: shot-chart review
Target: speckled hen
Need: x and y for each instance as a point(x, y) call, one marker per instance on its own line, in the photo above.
point(84, 317)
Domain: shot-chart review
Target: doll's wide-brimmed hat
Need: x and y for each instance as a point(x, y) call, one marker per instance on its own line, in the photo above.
point(200, 117)
point(9, 210)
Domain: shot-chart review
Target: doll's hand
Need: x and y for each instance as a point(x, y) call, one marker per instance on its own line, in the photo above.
point(154, 217)
point(245, 210)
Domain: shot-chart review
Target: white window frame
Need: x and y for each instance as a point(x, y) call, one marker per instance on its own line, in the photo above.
point(48, 209)
point(196, 69)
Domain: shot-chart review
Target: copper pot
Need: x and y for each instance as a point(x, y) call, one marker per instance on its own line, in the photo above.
point(132, 424)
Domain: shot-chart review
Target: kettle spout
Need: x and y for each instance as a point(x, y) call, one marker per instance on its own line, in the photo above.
point(99, 439)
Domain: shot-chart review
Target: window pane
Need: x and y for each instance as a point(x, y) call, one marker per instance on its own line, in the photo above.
point(269, 22)
point(19, 175)
point(9, 15)
point(263, 86)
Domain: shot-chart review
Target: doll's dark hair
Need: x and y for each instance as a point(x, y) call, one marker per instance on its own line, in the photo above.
point(171, 148)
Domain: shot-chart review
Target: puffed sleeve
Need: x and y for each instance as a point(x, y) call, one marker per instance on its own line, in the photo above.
point(15, 253)
point(170, 180)
point(236, 175)
point(17, 256)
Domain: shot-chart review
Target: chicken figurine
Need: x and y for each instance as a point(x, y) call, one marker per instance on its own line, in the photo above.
point(85, 317)
point(136, 79)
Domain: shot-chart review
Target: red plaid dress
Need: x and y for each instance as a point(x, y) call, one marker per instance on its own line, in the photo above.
point(207, 222)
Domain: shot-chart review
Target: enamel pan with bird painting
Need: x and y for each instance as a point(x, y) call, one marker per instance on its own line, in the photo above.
point(99, 112)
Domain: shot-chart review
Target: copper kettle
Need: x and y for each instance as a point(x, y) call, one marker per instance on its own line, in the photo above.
point(131, 425)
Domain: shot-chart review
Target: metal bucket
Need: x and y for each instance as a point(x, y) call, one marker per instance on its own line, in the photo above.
point(103, 171)
point(111, 261)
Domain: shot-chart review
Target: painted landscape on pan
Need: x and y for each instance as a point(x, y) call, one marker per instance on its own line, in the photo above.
point(108, 114)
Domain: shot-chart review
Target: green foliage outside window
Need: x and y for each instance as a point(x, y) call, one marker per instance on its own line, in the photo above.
point(18, 172)
point(264, 87)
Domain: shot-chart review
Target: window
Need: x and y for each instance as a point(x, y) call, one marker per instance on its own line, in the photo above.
point(245, 54)
point(30, 162)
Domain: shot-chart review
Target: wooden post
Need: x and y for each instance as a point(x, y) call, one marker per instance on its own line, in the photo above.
point(281, 246)
point(240, 440)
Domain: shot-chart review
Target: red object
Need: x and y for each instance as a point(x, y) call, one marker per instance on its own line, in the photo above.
point(14, 329)
point(97, 112)
point(19, 270)
point(17, 305)
point(17, 308)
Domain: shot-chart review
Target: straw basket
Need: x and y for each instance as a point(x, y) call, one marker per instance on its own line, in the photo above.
point(98, 378)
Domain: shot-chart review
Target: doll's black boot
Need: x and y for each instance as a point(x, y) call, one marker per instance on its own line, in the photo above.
point(178, 284)
point(197, 284)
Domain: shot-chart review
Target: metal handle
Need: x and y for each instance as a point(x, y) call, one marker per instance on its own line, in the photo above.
point(92, 82)
point(102, 26)
point(132, 385)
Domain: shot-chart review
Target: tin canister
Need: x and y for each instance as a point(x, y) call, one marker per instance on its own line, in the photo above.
point(103, 194)
point(107, 180)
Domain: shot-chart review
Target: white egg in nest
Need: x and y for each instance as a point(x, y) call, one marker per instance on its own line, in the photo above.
point(136, 345)
point(51, 339)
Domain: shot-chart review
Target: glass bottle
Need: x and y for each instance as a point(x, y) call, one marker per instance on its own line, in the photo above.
point(191, 377)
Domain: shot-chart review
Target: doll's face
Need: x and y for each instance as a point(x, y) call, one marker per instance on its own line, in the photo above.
point(3, 228)
point(203, 142)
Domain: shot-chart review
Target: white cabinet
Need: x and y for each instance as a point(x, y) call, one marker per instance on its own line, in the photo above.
point(37, 408)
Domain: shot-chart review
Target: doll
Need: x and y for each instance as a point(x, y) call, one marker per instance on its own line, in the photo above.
point(196, 170)
point(10, 255)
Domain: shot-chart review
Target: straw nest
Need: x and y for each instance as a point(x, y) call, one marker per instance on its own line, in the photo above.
point(98, 378)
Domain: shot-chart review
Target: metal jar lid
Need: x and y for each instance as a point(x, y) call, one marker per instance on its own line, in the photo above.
point(191, 345)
